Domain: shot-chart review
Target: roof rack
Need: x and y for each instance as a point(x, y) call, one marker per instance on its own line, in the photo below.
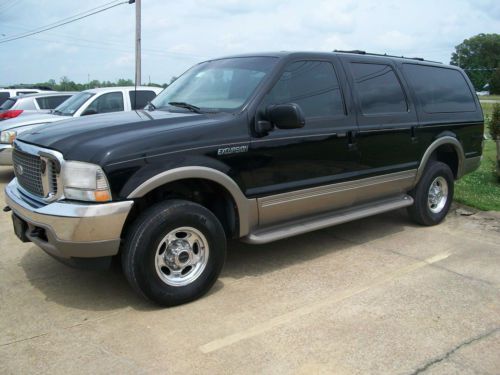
point(359, 52)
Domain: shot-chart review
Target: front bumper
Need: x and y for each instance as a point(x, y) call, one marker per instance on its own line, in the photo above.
point(5, 154)
point(68, 230)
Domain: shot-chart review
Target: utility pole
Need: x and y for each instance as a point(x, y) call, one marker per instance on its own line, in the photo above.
point(138, 42)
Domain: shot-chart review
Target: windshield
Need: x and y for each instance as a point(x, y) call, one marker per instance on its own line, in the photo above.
point(70, 106)
point(220, 85)
point(9, 103)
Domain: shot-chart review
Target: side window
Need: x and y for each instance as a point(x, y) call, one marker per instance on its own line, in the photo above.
point(25, 92)
point(378, 89)
point(51, 102)
point(440, 89)
point(43, 103)
point(313, 85)
point(142, 97)
point(110, 102)
point(3, 97)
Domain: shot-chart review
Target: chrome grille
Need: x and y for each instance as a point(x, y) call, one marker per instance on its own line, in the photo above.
point(52, 177)
point(28, 170)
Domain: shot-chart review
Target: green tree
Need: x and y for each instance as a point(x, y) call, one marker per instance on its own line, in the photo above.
point(495, 122)
point(124, 82)
point(495, 82)
point(481, 51)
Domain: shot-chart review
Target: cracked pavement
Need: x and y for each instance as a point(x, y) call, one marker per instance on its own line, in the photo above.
point(377, 296)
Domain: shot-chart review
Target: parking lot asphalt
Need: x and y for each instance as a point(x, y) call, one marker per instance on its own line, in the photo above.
point(376, 296)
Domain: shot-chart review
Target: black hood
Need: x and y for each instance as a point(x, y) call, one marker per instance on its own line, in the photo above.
point(116, 136)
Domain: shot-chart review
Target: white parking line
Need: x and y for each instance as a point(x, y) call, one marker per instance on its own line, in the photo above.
point(298, 313)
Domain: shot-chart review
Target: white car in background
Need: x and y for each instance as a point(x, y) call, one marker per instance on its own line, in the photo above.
point(9, 93)
point(42, 102)
point(88, 102)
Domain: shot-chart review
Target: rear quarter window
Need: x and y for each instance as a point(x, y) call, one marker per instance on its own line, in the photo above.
point(439, 89)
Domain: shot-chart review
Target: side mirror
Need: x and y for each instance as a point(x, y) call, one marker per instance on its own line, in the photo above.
point(286, 116)
point(89, 111)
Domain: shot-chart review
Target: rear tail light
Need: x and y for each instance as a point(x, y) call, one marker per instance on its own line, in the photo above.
point(10, 114)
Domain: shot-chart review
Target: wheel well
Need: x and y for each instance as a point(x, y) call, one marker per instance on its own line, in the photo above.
point(204, 192)
point(447, 154)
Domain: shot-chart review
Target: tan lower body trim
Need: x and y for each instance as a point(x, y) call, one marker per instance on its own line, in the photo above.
point(288, 206)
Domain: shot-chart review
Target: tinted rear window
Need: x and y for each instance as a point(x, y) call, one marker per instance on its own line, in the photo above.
point(378, 89)
point(142, 97)
point(9, 103)
point(51, 102)
point(440, 89)
point(3, 97)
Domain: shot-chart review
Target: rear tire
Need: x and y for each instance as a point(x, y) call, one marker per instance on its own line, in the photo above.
point(174, 252)
point(432, 195)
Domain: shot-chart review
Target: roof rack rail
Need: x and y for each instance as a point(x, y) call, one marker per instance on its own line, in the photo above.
point(359, 52)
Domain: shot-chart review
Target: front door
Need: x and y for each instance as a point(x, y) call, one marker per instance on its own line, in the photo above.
point(294, 170)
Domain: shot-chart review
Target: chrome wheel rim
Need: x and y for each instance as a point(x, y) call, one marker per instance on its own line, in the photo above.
point(438, 195)
point(181, 256)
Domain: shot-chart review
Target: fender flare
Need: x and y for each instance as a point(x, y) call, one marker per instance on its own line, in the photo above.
point(446, 140)
point(247, 208)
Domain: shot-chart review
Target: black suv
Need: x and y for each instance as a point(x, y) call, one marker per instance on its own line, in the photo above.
point(258, 147)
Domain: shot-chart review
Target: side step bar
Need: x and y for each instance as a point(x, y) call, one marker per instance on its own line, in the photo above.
point(300, 226)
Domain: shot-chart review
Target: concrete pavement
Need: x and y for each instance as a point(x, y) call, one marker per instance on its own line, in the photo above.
point(378, 296)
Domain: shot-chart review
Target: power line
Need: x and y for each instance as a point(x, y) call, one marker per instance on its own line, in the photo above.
point(70, 39)
point(59, 24)
point(67, 18)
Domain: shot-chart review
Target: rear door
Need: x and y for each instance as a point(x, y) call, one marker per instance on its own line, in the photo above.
point(387, 120)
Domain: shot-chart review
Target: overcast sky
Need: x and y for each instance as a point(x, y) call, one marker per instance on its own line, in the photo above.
point(177, 34)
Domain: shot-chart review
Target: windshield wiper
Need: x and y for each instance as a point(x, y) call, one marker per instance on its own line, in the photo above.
point(191, 107)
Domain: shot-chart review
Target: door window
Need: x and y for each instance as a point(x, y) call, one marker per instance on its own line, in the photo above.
point(140, 98)
point(313, 85)
point(110, 102)
point(378, 89)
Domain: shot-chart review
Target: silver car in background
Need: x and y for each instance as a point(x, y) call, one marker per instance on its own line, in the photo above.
point(32, 103)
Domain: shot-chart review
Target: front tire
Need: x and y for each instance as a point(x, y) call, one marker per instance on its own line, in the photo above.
point(174, 252)
point(432, 195)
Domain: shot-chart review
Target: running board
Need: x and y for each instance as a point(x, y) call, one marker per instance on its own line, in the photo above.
point(300, 226)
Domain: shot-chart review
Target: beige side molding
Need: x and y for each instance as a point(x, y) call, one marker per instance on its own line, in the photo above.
point(247, 208)
point(446, 140)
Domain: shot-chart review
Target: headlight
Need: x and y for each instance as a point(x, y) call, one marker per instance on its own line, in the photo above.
point(7, 136)
point(85, 182)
